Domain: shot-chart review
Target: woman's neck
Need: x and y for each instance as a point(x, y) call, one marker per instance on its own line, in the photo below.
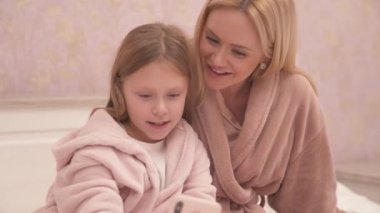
point(236, 99)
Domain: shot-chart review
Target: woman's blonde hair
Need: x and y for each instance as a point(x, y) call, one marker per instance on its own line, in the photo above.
point(146, 44)
point(275, 21)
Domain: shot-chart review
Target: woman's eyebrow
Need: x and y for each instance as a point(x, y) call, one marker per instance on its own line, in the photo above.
point(209, 31)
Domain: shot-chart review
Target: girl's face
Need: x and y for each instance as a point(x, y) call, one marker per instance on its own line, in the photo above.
point(230, 48)
point(155, 98)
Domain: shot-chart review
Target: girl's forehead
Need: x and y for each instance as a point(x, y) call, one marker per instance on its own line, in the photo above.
point(156, 71)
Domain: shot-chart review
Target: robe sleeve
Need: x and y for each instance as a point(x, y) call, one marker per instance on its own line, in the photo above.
point(199, 182)
point(85, 185)
point(309, 184)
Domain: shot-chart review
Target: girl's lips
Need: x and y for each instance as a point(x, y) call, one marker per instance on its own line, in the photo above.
point(159, 124)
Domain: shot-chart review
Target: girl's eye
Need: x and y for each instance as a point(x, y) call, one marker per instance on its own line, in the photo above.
point(211, 39)
point(239, 53)
point(173, 95)
point(144, 96)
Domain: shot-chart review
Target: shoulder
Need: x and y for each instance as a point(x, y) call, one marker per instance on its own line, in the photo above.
point(296, 87)
point(302, 102)
point(185, 132)
point(295, 82)
point(111, 158)
point(296, 98)
point(185, 127)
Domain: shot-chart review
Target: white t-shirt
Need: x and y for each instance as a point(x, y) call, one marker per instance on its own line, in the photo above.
point(157, 151)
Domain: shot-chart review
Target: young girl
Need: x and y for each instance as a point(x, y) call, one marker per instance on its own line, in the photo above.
point(138, 153)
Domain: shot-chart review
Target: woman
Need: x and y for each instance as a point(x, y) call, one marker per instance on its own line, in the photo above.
point(261, 120)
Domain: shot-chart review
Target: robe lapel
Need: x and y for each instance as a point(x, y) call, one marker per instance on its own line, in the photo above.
point(261, 98)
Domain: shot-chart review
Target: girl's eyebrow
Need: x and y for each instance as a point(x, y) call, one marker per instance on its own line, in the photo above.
point(209, 31)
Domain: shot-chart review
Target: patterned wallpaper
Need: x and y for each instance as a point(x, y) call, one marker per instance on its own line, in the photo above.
point(340, 48)
point(58, 49)
point(66, 48)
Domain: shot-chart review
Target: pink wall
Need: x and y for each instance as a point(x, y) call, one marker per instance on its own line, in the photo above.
point(66, 48)
point(340, 48)
point(58, 49)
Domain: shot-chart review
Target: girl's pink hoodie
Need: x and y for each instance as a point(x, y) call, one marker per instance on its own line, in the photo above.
point(102, 169)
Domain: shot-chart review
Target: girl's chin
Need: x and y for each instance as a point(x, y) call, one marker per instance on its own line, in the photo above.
point(154, 139)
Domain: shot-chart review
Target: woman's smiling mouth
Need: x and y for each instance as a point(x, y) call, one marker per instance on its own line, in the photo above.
point(217, 71)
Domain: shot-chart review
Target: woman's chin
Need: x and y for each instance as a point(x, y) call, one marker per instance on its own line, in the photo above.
point(214, 83)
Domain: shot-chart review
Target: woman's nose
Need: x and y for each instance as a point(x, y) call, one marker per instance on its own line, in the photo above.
point(219, 57)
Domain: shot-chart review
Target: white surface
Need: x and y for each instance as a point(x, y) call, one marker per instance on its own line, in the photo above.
point(27, 171)
point(352, 202)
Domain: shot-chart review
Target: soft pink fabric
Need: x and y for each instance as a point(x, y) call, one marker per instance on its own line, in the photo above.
point(102, 169)
point(282, 150)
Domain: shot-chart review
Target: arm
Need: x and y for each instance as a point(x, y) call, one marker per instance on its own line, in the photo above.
point(199, 181)
point(309, 183)
point(85, 185)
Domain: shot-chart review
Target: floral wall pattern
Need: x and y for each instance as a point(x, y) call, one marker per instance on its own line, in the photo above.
point(66, 48)
point(60, 49)
point(339, 46)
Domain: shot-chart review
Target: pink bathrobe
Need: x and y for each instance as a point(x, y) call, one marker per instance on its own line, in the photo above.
point(282, 150)
point(102, 169)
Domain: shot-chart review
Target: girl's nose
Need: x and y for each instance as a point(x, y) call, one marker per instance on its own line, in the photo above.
point(160, 108)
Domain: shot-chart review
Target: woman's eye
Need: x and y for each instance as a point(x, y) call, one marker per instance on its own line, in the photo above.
point(212, 40)
point(239, 53)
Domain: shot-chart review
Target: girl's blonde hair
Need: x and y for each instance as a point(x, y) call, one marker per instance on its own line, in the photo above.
point(275, 21)
point(146, 44)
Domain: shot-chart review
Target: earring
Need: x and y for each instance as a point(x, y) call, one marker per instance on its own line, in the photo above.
point(263, 66)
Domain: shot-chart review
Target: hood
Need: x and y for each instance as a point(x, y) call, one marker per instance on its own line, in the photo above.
point(100, 130)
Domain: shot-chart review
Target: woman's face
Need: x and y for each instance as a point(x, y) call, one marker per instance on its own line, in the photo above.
point(230, 48)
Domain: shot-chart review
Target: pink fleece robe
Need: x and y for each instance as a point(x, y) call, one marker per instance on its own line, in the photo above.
point(102, 169)
point(281, 152)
